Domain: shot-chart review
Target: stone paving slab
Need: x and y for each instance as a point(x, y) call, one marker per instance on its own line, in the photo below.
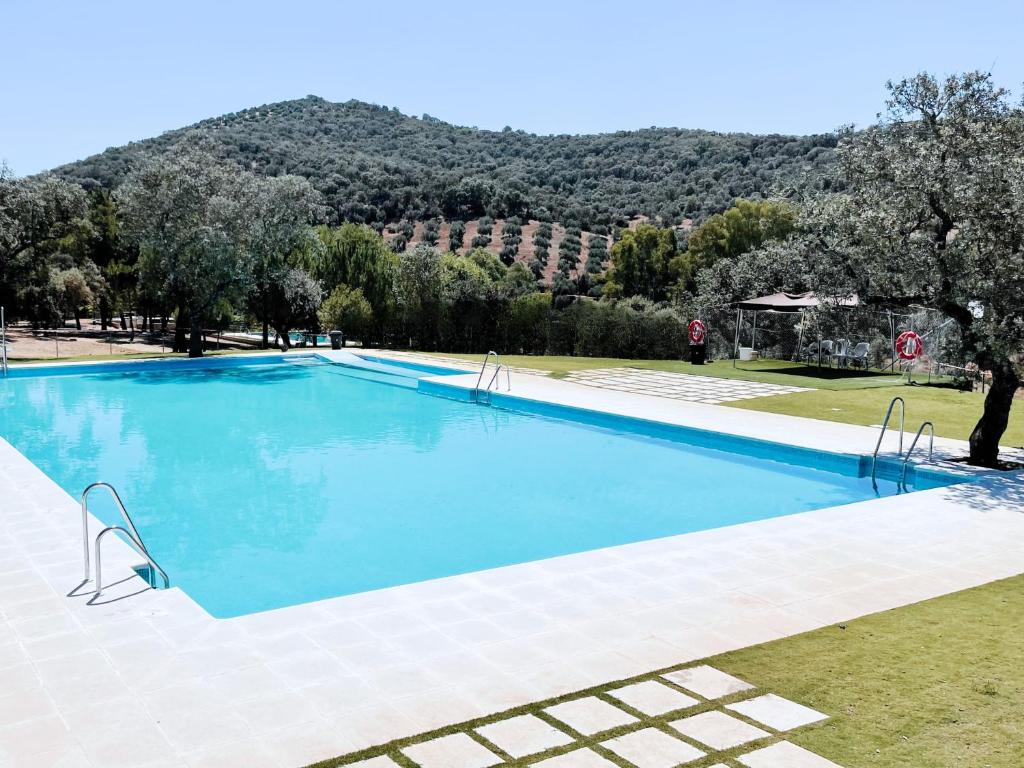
point(718, 730)
point(590, 715)
point(785, 755)
point(708, 682)
point(578, 758)
point(653, 698)
point(777, 712)
point(455, 751)
point(651, 748)
point(524, 735)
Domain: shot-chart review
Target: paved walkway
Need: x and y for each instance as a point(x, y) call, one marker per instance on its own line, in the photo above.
point(152, 681)
point(678, 386)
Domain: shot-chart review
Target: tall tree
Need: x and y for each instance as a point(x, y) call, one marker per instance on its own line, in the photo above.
point(186, 210)
point(356, 256)
point(747, 225)
point(34, 212)
point(642, 263)
point(278, 237)
point(934, 217)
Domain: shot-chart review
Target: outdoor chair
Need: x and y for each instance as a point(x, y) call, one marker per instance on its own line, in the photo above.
point(824, 351)
point(859, 356)
point(841, 353)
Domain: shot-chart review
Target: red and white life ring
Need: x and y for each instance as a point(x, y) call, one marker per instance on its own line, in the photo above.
point(697, 331)
point(909, 345)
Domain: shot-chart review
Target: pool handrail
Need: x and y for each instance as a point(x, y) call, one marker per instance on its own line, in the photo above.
point(913, 444)
point(881, 434)
point(483, 367)
point(133, 532)
point(496, 381)
point(131, 541)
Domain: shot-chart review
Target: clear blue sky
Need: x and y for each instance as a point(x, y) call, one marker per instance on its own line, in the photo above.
point(78, 77)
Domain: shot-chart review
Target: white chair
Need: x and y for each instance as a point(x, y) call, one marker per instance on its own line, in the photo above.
point(859, 356)
point(842, 350)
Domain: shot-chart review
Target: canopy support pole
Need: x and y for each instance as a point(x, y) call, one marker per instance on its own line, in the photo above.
point(753, 334)
point(800, 339)
point(736, 340)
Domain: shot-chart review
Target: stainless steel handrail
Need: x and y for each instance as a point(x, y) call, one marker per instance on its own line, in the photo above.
point(885, 425)
point(483, 368)
point(135, 545)
point(134, 532)
point(495, 379)
point(913, 444)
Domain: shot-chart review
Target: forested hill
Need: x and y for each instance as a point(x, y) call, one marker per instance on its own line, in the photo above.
point(376, 164)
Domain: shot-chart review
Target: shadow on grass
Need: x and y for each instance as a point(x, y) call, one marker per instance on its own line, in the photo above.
point(813, 372)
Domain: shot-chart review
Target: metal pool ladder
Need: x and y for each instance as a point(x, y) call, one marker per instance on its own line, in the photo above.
point(913, 444)
point(131, 532)
point(885, 425)
point(495, 380)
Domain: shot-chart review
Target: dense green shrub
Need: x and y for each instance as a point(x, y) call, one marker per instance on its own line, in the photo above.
point(456, 235)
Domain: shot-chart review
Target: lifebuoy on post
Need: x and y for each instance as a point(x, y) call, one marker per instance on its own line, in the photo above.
point(697, 331)
point(909, 345)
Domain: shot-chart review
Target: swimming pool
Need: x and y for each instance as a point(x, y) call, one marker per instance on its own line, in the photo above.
point(263, 482)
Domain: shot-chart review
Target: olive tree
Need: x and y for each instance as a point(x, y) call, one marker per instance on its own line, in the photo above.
point(277, 234)
point(186, 210)
point(934, 216)
point(34, 212)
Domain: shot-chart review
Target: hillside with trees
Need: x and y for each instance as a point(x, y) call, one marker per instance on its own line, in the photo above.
point(377, 166)
point(921, 212)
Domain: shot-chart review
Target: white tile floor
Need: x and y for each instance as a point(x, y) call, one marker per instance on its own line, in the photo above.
point(152, 680)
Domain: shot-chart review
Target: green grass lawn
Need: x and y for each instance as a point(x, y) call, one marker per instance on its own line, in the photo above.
point(953, 412)
point(932, 685)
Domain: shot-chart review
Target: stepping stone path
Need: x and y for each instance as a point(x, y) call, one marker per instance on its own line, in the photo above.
point(696, 713)
point(678, 386)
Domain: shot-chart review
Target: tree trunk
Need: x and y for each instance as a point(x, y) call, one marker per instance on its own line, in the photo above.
point(104, 312)
point(78, 320)
point(179, 344)
point(994, 419)
point(283, 334)
point(266, 335)
point(195, 337)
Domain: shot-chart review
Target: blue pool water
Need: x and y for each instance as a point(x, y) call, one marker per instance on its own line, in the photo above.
point(260, 485)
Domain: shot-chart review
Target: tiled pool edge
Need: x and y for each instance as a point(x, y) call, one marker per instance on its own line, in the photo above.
point(735, 583)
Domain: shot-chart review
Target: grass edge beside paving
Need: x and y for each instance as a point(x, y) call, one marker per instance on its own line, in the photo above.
point(921, 685)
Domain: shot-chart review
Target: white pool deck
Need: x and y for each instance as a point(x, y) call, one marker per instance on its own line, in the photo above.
point(152, 680)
